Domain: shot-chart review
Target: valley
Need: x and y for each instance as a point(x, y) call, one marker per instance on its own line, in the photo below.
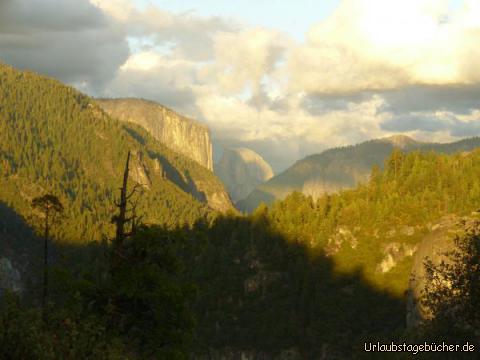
point(321, 261)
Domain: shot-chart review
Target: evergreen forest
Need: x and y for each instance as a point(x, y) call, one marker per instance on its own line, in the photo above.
point(302, 278)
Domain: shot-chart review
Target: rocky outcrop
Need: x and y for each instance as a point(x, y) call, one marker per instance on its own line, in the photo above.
point(179, 133)
point(434, 247)
point(139, 171)
point(219, 201)
point(147, 171)
point(10, 278)
point(393, 253)
point(241, 170)
point(342, 236)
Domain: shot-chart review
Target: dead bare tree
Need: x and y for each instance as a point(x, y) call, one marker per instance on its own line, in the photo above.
point(127, 211)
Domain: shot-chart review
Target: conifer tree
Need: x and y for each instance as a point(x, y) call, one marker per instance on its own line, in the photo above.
point(50, 207)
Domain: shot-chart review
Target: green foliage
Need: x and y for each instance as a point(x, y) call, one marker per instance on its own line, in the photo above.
point(271, 281)
point(452, 290)
point(47, 204)
point(138, 308)
point(149, 305)
point(55, 140)
point(414, 189)
point(65, 335)
point(274, 280)
point(344, 167)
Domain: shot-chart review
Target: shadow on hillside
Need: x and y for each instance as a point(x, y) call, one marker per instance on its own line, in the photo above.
point(15, 233)
point(183, 181)
point(20, 245)
point(262, 293)
point(259, 292)
point(133, 133)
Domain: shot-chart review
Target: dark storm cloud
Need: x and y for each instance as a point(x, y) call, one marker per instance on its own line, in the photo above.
point(21, 16)
point(457, 99)
point(71, 40)
point(412, 122)
point(432, 123)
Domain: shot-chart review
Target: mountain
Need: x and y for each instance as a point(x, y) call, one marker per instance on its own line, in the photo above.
point(341, 168)
point(53, 139)
point(241, 170)
point(308, 270)
point(179, 133)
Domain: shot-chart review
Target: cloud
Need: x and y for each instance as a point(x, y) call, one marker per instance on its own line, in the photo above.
point(284, 137)
point(82, 46)
point(372, 69)
point(386, 44)
point(440, 121)
point(423, 98)
point(189, 36)
point(152, 76)
point(246, 59)
point(24, 17)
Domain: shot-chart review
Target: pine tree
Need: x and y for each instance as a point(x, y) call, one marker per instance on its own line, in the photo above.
point(50, 207)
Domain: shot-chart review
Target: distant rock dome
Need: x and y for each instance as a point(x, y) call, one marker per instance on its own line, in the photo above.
point(241, 170)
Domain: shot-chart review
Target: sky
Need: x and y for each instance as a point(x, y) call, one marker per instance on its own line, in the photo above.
point(286, 79)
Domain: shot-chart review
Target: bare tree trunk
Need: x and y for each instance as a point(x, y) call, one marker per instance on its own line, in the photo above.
point(45, 268)
point(121, 220)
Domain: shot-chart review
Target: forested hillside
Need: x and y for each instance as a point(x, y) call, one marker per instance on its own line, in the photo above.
point(341, 168)
point(305, 278)
point(55, 140)
point(323, 276)
point(299, 280)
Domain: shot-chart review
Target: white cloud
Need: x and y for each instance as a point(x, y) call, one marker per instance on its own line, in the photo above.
point(245, 59)
point(120, 10)
point(384, 44)
point(373, 68)
point(257, 86)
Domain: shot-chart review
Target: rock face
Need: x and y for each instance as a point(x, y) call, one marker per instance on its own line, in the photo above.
point(179, 133)
point(341, 168)
point(341, 236)
point(139, 171)
point(393, 253)
point(10, 278)
point(434, 246)
point(204, 187)
point(241, 170)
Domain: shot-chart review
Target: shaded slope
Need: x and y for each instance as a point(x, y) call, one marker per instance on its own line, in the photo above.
point(263, 295)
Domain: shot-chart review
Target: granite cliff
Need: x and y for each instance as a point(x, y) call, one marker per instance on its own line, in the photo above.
point(241, 170)
point(77, 152)
point(435, 247)
point(179, 133)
